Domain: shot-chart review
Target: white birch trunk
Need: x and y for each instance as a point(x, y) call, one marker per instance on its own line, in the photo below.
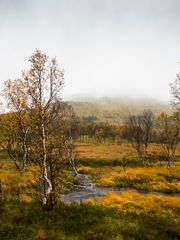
point(45, 173)
point(71, 159)
point(25, 149)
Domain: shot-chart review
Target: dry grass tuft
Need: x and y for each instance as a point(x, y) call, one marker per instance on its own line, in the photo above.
point(133, 202)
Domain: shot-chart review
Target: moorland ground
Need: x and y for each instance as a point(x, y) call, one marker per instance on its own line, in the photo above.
point(127, 215)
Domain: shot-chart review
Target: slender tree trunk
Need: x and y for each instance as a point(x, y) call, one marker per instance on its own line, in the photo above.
point(169, 157)
point(146, 155)
point(44, 166)
point(1, 193)
point(14, 159)
point(52, 179)
point(71, 160)
point(25, 150)
point(172, 174)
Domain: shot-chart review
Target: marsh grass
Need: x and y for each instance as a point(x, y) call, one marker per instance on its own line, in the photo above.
point(149, 179)
point(16, 184)
point(92, 221)
point(134, 202)
point(107, 167)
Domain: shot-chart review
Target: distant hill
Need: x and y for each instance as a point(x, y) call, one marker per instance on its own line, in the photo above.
point(114, 110)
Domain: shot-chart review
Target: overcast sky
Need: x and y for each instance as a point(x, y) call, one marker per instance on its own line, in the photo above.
point(107, 47)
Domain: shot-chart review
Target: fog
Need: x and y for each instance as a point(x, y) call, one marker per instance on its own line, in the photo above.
point(106, 47)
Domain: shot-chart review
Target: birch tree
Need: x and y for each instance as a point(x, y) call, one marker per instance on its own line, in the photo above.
point(133, 132)
point(170, 133)
point(42, 126)
point(147, 120)
point(43, 85)
point(15, 125)
point(175, 91)
point(137, 130)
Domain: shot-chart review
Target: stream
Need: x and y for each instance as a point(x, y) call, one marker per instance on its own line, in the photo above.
point(88, 190)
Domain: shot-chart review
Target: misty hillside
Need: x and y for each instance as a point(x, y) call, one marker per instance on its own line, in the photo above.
point(115, 109)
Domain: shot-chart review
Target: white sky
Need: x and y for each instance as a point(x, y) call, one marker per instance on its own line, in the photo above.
point(107, 47)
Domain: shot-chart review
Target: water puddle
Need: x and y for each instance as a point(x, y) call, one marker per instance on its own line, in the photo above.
point(88, 190)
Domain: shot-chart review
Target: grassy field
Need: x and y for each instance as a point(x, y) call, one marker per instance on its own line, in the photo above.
point(124, 217)
point(129, 215)
point(16, 184)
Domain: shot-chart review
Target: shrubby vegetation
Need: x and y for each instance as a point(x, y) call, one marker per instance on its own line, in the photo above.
point(136, 218)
